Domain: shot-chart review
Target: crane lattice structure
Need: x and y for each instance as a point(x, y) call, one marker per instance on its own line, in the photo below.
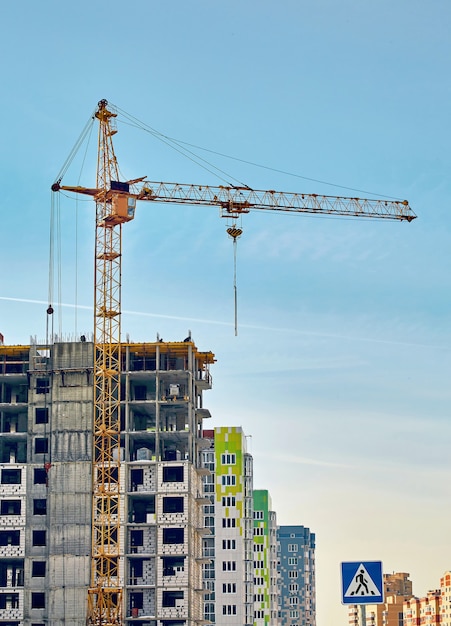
point(115, 205)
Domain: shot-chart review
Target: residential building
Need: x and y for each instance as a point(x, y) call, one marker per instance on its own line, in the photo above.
point(46, 418)
point(397, 589)
point(297, 583)
point(445, 599)
point(228, 577)
point(424, 611)
point(432, 609)
point(266, 606)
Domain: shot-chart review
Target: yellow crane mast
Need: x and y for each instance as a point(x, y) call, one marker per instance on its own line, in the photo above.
point(115, 204)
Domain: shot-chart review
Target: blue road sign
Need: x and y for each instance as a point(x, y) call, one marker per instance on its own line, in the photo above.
point(362, 583)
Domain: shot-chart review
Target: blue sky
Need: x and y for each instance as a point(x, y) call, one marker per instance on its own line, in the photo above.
point(340, 371)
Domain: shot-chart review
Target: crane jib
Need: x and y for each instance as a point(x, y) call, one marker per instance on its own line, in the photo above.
point(236, 201)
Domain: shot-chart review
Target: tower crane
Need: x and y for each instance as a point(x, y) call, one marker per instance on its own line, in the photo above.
point(115, 205)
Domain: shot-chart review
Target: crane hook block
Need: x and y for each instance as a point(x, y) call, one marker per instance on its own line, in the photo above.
point(234, 232)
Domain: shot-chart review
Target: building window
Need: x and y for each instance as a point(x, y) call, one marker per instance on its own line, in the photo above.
point(292, 560)
point(228, 459)
point(229, 609)
point(136, 539)
point(294, 614)
point(258, 515)
point(173, 564)
point(41, 445)
point(39, 476)
point(39, 538)
point(38, 569)
point(173, 505)
point(209, 571)
point(228, 522)
point(228, 544)
point(10, 507)
point(293, 573)
point(170, 598)
point(11, 476)
point(173, 535)
point(293, 600)
point(228, 480)
point(209, 611)
point(9, 600)
point(9, 537)
point(259, 531)
point(229, 566)
point(292, 547)
point(136, 600)
point(38, 600)
point(294, 587)
point(228, 587)
point(136, 478)
point(40, 506)
point(173, 474)
point(209, 484)
point(228, 500)
point(208, 547)
point(41, 416)
point(42, 385)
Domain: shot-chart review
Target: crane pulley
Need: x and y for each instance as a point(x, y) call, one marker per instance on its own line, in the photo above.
point(115, 205)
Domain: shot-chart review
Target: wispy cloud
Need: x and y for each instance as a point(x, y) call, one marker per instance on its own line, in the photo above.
point(300, 460)
point(363, 465)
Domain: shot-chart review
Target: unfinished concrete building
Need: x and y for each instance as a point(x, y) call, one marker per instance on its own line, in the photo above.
point(46, 417)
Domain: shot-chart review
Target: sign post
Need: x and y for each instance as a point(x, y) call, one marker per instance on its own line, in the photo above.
point(361, 584)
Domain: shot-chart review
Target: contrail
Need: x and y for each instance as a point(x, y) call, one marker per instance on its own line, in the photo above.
point(145, 314)
point(295, 331)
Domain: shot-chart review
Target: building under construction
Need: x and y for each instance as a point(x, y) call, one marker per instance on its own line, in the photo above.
point(52, 527)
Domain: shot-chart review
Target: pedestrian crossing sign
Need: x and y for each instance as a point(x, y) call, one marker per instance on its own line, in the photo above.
point(362, 583)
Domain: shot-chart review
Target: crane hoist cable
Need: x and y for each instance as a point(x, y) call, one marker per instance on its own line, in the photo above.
point(234, 232)
point(55, 233)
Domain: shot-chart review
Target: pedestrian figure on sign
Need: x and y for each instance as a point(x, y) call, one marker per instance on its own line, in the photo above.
point(363, 584)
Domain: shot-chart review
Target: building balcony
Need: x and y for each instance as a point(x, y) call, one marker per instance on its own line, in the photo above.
point(203, 380)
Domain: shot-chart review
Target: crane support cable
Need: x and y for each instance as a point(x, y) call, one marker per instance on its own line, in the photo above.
point(179, 146)
point(86, 130)
point(172, 142)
